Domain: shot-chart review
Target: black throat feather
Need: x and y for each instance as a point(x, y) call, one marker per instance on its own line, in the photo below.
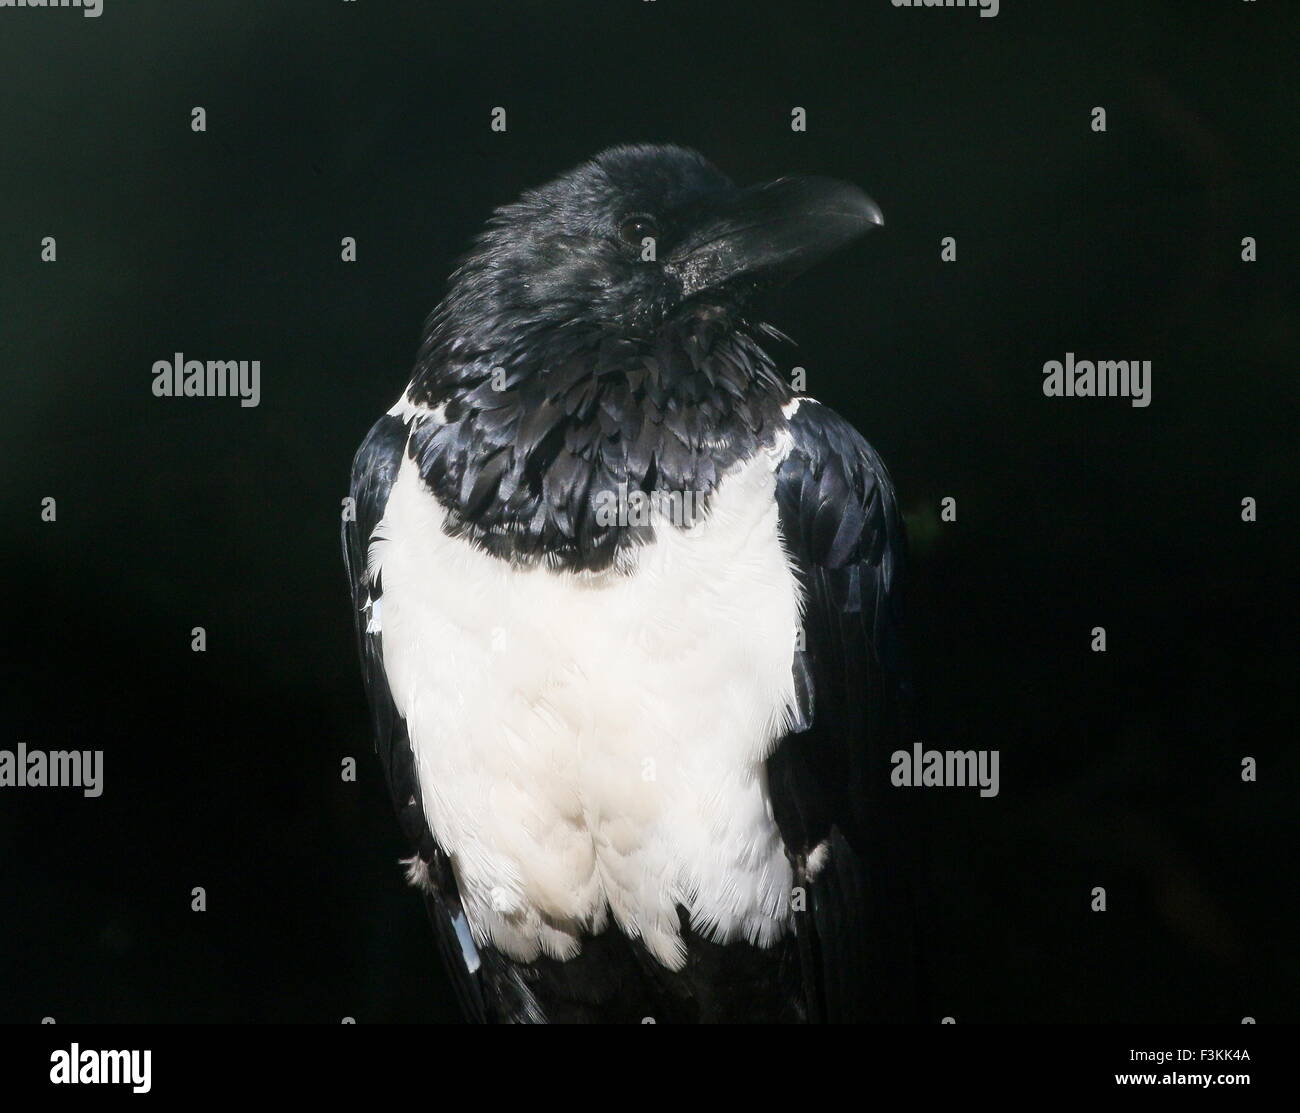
point(538, 432)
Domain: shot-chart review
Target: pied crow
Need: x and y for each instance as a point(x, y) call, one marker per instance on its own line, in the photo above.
point(628, 616)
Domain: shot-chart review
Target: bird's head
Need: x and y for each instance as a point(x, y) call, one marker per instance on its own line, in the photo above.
point(595, 340)
point(640, 236)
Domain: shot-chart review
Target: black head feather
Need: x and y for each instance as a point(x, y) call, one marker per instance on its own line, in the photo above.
point(570, 364)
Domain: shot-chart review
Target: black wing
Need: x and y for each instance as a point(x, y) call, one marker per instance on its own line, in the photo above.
point(493, 990)
point(829, 778)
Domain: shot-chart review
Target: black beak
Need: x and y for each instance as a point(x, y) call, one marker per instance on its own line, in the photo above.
point(769, 233)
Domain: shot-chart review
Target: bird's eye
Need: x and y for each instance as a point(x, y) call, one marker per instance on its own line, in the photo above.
point(635, 229)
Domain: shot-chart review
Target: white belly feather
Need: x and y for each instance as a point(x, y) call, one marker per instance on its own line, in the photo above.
point(594, 744)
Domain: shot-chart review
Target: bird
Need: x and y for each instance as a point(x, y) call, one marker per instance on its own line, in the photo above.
point(629, 614)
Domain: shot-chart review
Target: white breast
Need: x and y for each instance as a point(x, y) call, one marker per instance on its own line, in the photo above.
point(594, 744)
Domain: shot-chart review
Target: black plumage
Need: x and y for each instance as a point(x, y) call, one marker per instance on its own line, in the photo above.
point(523, 467)
point(830, 782)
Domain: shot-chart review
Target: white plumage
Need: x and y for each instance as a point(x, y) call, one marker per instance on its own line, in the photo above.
point(591, 745)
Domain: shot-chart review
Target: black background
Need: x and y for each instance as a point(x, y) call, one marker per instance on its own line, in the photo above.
point(329, 119)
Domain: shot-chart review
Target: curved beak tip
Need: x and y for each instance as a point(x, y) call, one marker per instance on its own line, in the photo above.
point(864, 210)
point(850, 207)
